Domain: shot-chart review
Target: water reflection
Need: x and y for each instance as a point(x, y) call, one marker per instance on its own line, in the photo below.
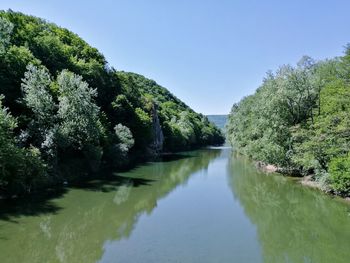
point(75, 226)
point(271, 219)
point(294, 224)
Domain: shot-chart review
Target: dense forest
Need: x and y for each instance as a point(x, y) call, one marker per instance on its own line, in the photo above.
point(65, 113)
point(299, 121)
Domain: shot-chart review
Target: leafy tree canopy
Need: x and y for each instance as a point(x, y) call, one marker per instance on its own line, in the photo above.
point(66, 113)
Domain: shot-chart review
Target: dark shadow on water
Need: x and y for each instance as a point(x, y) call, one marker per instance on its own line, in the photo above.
point(111, 182)
point(35, 205)
point(167, 157)
point(107, 181)
point(42, 203)
point(1, 237)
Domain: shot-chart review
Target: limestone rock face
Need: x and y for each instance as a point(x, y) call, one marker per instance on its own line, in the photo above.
point(158, 137)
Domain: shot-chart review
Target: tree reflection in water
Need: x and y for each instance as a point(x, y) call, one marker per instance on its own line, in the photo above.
point(294, 224)
point(86, 218)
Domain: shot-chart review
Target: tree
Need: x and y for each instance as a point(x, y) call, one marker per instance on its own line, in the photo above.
point(124, 138)
point(13, 65)
point(42, 128)
point(6, 28)
point(36, 87)
point(339, 169)
point(186, 126)
point(78, 114)
point(21, 170)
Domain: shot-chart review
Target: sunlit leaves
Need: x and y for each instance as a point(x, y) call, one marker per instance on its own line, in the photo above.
point(36, 85)
point(6, 28)
point(77, 111)
point(124, 137)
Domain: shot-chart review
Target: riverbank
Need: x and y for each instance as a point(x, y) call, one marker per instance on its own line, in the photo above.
point(306, 181)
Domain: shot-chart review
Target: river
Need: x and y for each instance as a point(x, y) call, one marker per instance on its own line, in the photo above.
point(208, 205)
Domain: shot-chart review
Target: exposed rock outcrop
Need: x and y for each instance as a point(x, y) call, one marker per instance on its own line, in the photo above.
point(158, 137)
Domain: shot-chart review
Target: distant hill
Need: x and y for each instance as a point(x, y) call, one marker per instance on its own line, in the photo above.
point(218, 120)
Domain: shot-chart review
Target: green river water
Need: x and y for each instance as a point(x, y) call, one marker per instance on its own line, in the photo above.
point(203, 206)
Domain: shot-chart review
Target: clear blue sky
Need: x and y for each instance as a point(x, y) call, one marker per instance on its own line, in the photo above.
point(209, 53)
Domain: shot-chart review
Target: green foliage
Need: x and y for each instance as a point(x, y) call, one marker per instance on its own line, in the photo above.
point(124, 137)
point(181, 126)
point(186, 126)
point(12, 67)
point(142, 128)
point(298, 119)
point(339, 169)
point(35, 85)
point(21, 170)
point(6, 28)
point(42, 129)
point(77, 111)
point(74, 113)
point(58, 49)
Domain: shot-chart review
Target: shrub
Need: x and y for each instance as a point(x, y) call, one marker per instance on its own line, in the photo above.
point(339, 169)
